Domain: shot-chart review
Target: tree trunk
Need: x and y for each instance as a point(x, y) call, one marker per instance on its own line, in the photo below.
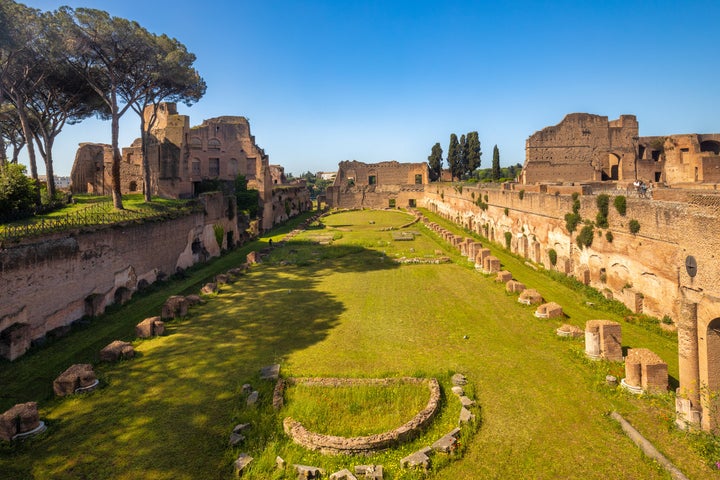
point(3, 152)
point(117, 157)
point(27, 133)
point(49, 169)
point(147, 187)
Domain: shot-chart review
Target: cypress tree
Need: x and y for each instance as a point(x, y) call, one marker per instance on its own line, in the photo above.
point(496, 164)
point(435, 161)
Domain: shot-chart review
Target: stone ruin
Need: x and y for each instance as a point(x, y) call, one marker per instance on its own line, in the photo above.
point(209, 289)
point(333, 445)
point(603, 340)
point(15, 340)
point(570, 331)
point(20, 421)
point(150, 327)
point(530, 296)
point(480, 257)
point(549, 310)
point(513, 286)
point(77, 378)
point(503, 276)
point(174, 307)
point(117, 350)
point(645, 372)
point(253, 257)
point(491, 264)
point(591, 148)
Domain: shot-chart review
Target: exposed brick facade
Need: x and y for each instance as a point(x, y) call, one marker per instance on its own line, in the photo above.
point(590, 148)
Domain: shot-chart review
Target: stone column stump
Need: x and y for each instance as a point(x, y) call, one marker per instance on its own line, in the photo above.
point(77, 378)
point(20, 419)
point(603, 339)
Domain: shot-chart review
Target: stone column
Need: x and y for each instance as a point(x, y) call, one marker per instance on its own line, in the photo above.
point(688, 352)
point(633, 373)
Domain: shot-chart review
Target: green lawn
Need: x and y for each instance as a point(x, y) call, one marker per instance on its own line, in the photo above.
point(344, 308)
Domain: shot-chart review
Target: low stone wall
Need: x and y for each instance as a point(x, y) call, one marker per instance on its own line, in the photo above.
point(330, 444)
point(48, 283)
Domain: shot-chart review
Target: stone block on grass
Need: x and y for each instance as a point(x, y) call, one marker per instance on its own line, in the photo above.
point(343, 474)
point(19, 419)
point(150, 327)
point(77, 378)
point(117, 350)
point(209, 288)
point(417, 459)
point(174, 307)
point(530, 296)
point(241, 462)
point(307, 471)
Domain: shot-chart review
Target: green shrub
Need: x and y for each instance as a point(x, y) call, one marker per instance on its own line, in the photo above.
point(634, 226)
point(17, 193)
point(219, 234)
point(571, 221)
point(609, 236)
point(507, 212)
point(508, 240)
point(521, 194)
point(487, 199)
point(585, 237)
point(602, 201)
point(620, 203)
point(552, 254)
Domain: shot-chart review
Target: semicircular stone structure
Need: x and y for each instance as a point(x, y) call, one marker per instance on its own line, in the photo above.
point(334, 445)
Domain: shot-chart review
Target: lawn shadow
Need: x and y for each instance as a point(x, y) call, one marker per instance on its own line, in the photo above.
point(179, 394)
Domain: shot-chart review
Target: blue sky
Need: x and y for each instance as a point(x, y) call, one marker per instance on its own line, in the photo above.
point(329, 80)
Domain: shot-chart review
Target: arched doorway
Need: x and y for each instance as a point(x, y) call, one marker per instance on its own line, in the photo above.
point(611, 168)
point(710, 375)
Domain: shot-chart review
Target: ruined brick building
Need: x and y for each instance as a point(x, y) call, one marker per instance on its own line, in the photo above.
point(182, 157)
point(377, 185)
point(591, 148)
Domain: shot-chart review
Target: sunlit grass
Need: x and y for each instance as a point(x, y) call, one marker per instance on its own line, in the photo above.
point(353, 411)
point(344, 309)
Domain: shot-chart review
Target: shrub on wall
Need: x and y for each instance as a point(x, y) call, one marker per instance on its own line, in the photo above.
point(585, 237)
point(521, 194)
point(609, 237)
point(603, 202)
point(634, 226)
point(507, 212)
point(508, 240)
point(576, 203)
point(620, 204)
point(552, 254)
point(571, 221)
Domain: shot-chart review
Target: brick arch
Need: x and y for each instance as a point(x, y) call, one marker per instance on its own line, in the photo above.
point(612, 167)
point(709, 368)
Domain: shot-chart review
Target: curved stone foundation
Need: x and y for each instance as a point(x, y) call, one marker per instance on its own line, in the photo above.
point(330, 444)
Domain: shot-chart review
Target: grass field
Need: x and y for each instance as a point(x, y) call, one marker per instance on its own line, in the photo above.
point(344, 308)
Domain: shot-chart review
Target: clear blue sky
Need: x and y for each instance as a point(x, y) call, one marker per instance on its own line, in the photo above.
point(329, 80)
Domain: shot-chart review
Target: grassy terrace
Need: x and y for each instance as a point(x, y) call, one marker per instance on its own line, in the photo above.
point(92, 210)
point(345, 309)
